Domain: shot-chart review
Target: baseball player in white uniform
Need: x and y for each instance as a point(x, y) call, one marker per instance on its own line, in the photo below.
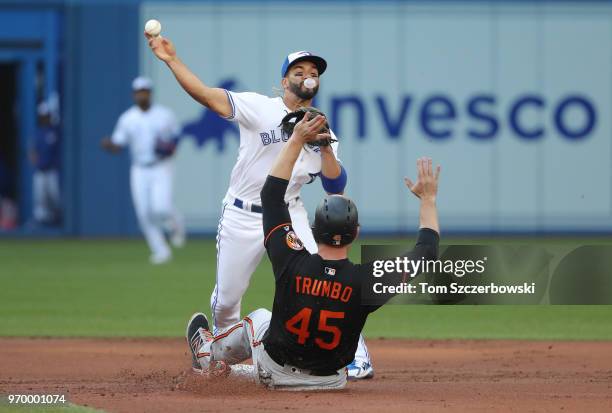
point(44, 155)
point(151, 132)
point(239, 237)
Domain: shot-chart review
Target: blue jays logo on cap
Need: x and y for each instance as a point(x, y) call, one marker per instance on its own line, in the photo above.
point(295, 57)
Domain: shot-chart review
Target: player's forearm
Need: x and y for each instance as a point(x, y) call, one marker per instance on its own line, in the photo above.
point(428, 215)
point(333, 174)
point(275, 211)
point(108, 145)
point(330, 167)
point(283, 167)
point(427, 246)
point(213, 98)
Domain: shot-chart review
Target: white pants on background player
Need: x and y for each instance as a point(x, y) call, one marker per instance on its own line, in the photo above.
point(152, 196)
point(46, 191)
point(240, 248)
point(243, 341)
point(144, 127)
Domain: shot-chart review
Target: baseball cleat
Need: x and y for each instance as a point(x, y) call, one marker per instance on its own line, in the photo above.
point(158, 259)
point(197, 334)
point(178, 238)
point(360, 370)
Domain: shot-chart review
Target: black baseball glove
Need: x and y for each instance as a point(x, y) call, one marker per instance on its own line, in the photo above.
point(290, 119)
point(165, 148)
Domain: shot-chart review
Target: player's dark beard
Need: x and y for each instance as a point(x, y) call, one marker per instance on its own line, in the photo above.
point(296, 88)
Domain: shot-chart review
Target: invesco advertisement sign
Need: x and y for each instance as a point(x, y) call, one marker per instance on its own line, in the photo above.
point(572, 117)
point(511, 99)
point(437, 114)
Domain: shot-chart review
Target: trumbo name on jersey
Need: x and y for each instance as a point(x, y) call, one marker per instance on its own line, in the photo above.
point(323, 288)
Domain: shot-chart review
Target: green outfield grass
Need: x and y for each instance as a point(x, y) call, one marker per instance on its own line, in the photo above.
point(107, 288)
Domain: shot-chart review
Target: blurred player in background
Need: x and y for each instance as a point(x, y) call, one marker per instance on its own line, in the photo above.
point(8, 207)
point(151, 131)
point(45, 157)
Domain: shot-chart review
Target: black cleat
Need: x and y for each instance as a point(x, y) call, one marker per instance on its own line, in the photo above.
point(197, 334)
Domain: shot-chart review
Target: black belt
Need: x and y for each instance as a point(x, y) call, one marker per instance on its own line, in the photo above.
point(317, 372)
point(254, 208)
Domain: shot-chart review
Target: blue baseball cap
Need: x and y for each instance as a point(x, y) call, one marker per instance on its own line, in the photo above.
point(300, 56)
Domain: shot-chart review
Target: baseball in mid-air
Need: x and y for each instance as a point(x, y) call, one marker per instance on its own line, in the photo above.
point(153, 27)
point(310, 83)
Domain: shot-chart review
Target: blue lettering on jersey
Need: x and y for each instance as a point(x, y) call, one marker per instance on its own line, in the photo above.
point(270, 137)
point(265, 138)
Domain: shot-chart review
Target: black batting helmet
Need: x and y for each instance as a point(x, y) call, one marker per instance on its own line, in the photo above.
point(336, 221)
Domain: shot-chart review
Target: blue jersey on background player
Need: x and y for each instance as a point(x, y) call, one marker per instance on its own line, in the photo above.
point(47, 148)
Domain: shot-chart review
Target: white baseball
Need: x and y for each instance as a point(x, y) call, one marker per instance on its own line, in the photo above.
point(310, 83)
point(153, 27)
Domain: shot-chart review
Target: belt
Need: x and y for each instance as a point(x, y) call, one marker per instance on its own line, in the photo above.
point(317, 372)
point(148, 164)
point(239, 203)
point(293, 201)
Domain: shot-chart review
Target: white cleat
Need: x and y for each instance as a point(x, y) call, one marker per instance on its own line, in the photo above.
point(360, 370)
point(158, 259)
point(178, 238)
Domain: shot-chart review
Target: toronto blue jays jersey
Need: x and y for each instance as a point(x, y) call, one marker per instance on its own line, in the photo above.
point(261, 140)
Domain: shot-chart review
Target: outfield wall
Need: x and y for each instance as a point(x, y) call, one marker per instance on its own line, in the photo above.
point(89, 52)
point(513, 99)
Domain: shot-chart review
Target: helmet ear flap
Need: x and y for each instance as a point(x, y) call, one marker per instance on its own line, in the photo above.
point(315, 234)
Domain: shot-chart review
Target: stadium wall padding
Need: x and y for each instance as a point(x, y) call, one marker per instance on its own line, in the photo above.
point(512, 98)
point(103, 51)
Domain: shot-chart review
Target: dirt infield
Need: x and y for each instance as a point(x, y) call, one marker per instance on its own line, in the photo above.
point(150, 375)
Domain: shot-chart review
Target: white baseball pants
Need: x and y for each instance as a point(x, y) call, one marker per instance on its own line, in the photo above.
point(152, 191)
point(46, 194)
